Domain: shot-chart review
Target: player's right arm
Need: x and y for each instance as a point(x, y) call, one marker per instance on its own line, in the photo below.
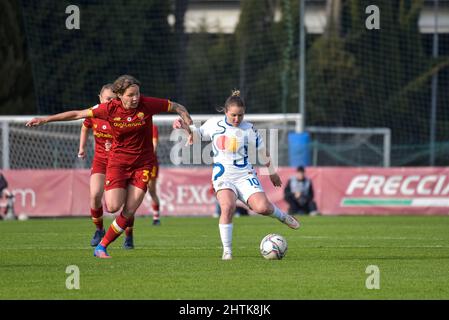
point(192, 131)
point(63, 116)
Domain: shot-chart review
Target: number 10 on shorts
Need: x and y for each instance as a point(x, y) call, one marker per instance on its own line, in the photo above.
point(253, 181)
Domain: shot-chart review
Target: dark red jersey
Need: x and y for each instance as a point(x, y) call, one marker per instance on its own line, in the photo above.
point(103, 136)
point(131, 130)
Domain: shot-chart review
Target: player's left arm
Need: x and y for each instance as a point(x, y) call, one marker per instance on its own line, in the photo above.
point(155, 144)
point(274, 176)
point(182, 111)
point(186, 121)
point(265, 159)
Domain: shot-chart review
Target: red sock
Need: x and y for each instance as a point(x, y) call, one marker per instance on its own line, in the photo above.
point(129, 229)
point(115, 230)
point(97, 217)
point(155, 211)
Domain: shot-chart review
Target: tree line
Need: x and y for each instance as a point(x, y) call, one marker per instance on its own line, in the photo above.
point(354, 76)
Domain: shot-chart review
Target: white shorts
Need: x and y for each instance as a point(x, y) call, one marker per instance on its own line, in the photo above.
point(243, 186)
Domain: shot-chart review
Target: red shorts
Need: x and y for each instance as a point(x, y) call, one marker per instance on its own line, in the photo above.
point(122, 177)
point(99, 166)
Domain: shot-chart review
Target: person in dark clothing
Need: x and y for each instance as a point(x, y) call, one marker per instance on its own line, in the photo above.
point(8, 205)
point(299, 194)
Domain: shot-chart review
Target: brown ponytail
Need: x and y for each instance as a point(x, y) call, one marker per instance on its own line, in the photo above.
point(233, 99)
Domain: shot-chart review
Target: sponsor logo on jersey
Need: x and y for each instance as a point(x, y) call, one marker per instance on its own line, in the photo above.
point(128, 125)
point(229, 144)
point(102, 135)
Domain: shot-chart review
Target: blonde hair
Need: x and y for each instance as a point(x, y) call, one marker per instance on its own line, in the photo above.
point(109, 86)
point(233, 99)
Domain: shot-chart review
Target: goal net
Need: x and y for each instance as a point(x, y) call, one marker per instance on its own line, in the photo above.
point(55, 145)
point(350, 146)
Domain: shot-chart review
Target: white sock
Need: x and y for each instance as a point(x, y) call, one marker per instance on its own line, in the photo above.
point(226, 236)
point(278, 214)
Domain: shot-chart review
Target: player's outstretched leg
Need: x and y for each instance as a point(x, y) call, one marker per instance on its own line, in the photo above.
point(285, 218)
point(116, 228)
point(260, 204)
point(100, 252)
point(291, 221)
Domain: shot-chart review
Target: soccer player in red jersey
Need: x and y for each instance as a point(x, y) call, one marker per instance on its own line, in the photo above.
point(153, 181)
point(131, 158)
point(103, 142)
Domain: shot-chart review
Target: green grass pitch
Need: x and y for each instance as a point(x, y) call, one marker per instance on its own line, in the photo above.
point(326, 259)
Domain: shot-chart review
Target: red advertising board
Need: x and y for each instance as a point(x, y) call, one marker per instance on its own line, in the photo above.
point(186, 191)
point(381, 191)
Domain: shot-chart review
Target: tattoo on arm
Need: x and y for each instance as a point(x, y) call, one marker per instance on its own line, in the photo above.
point(182, 111)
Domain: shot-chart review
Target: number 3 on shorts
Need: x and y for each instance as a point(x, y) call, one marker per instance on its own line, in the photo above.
point(146, 175)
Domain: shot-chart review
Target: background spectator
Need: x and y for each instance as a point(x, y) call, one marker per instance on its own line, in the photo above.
point(299, 194)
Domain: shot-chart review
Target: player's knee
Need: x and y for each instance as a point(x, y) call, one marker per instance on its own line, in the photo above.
point(227, 209)
point(113, 207)
point(97, 199)
point(264, 208)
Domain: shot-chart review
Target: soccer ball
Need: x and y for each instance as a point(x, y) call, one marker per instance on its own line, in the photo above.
point(273, 247)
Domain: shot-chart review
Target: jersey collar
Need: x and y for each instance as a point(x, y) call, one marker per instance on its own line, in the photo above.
point(227, 122)
point(231, 124)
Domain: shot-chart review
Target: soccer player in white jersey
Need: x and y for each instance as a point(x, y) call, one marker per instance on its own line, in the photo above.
point(233, 176)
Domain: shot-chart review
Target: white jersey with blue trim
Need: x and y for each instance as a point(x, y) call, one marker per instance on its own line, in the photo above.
point(231, 146)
